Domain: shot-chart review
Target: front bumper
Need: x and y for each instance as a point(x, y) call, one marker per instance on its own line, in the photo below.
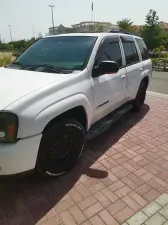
point(19, 157)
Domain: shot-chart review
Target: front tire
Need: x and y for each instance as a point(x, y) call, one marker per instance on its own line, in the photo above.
point(140, 98)
point(60, 148)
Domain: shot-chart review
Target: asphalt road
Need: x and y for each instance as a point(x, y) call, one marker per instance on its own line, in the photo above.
point(159, 82)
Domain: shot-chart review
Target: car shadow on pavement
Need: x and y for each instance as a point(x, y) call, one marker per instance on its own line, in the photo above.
point(32, 198)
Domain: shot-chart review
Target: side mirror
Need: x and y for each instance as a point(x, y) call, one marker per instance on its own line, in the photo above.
point(108, 67)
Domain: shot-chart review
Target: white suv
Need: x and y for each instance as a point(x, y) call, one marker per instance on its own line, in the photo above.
point(63, 90)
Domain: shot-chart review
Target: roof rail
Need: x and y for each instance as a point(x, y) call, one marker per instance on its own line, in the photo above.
point(118, 31)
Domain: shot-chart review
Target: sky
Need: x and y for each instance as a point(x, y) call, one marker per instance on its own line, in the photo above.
point(26, 15)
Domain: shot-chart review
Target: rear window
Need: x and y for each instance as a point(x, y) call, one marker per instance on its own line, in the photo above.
point(143, 49)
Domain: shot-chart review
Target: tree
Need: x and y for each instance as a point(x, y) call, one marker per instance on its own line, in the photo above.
point(152, 32)
point(125, 24)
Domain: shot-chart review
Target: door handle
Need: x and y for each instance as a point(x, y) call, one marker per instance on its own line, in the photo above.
point(140, 69)
point(123, 76)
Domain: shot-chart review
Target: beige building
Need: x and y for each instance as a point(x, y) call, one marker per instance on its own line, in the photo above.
point(83, 27)
point(164, 26)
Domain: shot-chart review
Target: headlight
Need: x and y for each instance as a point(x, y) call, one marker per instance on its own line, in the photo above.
point(8, 127)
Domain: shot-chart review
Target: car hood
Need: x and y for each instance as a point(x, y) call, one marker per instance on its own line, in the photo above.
point(14, 84)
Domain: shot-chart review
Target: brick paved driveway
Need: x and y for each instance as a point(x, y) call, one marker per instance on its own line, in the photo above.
point(119, 174)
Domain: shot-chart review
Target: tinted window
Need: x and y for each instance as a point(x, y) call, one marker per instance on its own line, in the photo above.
point(110, 50)
point(66, 52)
point(143, 48)
point(136, 56)
point(131, 53)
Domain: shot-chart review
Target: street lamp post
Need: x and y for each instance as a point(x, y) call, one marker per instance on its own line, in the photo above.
point(10, 32)
point(52, 6)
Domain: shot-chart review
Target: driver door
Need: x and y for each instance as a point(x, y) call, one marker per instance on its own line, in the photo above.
point(109, 89)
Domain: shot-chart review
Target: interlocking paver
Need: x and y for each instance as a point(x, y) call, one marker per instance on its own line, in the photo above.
point(138, 198)
point(157, 219)
point(110, 195)
point(123, 191)
point(147, 177)
point(164, 211)
point(143, 189)
point(67, 219)
point(91, 182)
point(52, 221)
point(95, 220)
point(77, 214)
point(97, 187)
point(107, 218)
point(124, 214)
point(151, 209)
point(2, 218)
point(87, 202)
point(75, 196)
point(92, 210)
point(83, 191)
point(129, 167)
point(131, 203)
point(151, 195)
point(130, 183)
point(62, 206)
point(121, 173)
point(116, 207)
point(138, 219)
point(157, 186)
point(140, 172)
point(104, 201)
point(122, 160)
point(163, 199)
point(116, 186)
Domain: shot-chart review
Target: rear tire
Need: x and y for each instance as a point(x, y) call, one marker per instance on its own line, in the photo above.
point(60, 148)
point(140, 98)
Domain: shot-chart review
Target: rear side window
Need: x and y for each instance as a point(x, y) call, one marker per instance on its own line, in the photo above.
point(143, 49)
point(131, 54)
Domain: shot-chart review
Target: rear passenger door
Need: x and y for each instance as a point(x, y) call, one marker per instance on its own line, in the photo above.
point(134, 66)
point(147, 64)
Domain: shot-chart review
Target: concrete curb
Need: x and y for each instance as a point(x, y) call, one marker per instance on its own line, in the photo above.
point(156, 94)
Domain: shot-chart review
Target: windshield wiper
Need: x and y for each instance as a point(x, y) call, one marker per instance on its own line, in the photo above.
point(49, 68)
point(17, 63)
point(22, 66)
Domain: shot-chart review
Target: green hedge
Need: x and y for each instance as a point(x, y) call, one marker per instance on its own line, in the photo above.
point(158, 55)
point(160, 64)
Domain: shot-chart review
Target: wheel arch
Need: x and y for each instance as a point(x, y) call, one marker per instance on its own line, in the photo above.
point(78, 113)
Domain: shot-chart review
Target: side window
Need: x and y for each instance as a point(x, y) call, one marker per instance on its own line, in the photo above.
point(110, 50)
point(131, 54)
point(143, 49)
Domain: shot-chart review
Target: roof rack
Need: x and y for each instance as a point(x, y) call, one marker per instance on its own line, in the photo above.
point(118, 31)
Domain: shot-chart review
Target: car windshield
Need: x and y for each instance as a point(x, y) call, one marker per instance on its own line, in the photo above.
point(63, 52)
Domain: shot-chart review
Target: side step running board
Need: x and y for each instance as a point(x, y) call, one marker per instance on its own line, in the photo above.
point(106, 122)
